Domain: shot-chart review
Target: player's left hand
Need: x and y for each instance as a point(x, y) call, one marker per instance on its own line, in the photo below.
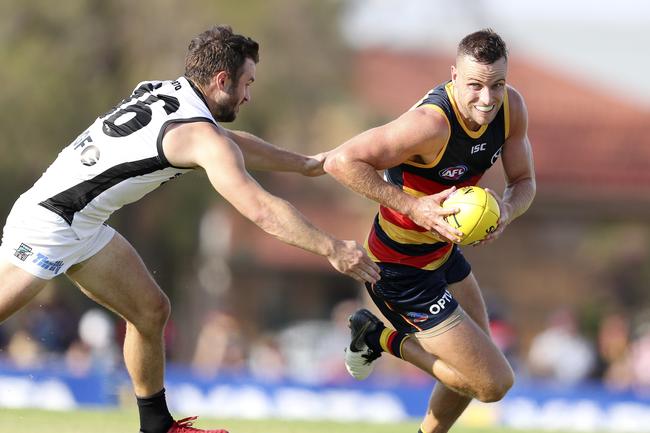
point(314, 165)
point(351, 259)
point(504, 219)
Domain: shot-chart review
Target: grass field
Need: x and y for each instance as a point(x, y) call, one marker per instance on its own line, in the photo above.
point(39, 421)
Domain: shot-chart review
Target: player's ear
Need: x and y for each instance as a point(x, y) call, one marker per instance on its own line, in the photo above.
point(221, 80)
point(454, 73)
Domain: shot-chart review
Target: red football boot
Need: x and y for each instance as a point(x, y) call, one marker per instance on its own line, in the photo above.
point(185, 426)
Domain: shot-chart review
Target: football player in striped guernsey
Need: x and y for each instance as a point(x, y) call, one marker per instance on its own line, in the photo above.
point(427, 290)
point(162, 130)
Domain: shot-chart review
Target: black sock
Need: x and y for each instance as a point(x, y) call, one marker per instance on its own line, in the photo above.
point(154, 415)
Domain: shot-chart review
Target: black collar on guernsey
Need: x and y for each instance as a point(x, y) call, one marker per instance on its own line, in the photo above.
point(198, 92)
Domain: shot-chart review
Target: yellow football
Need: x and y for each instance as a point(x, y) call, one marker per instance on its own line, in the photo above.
point(478, 216)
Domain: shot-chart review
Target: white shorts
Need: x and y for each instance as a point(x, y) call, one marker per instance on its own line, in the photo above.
point(42, 243)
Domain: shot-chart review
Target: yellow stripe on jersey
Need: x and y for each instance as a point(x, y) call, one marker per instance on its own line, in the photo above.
point(429, 267)
point(438, 157)
point(450, 93)
point(370, 254)
point(406, 236)
point(437, 263)
point(403, 236)
point(413, 192)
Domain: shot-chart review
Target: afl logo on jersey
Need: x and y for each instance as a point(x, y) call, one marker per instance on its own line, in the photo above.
point(90, 155)
point(453, 173)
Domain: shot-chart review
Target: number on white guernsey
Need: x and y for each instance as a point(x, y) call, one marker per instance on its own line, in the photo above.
point(140, 112)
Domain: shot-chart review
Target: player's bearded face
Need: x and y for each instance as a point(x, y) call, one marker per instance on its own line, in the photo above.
point(479, 89)
point(235, 93)
point(227, 107)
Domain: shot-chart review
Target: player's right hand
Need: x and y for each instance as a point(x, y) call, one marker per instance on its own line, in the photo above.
point(504, 219)
point(427, 212)
point(351, 259)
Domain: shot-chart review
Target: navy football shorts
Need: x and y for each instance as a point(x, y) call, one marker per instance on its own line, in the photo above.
point(415, 300)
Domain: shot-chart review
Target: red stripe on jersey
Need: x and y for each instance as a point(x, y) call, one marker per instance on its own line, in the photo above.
point(386, 254)
point(428, 186)
point(423, 185)
point(399, 219)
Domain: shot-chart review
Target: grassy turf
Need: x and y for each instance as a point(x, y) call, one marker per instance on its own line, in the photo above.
point(116, 421)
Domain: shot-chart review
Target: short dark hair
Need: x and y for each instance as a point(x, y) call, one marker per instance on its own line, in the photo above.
point(484, 46)
point(218, 49)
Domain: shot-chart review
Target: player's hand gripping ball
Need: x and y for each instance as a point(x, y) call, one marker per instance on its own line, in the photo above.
point(478, 216)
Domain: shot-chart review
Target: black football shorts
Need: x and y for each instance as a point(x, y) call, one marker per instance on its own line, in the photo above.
point(414, 299)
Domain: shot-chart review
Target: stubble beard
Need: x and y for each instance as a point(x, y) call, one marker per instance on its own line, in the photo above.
point(225, 113)
point(226, 110)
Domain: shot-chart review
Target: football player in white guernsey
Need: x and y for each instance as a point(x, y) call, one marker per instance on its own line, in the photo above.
point(165, 128)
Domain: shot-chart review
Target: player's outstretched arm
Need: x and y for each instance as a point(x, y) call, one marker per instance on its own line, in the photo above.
point(517, 160)
point(206, 146)
point(262, 155)
point(416, 134)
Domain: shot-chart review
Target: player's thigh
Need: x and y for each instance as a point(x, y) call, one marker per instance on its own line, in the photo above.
point(467, 349)
point(468, 294)
point(17, 288)
point(117, 278)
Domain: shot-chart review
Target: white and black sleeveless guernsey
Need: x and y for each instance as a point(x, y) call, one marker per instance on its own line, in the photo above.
point(119, 158)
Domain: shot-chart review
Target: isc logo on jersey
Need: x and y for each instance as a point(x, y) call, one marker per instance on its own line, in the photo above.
point(453, 173)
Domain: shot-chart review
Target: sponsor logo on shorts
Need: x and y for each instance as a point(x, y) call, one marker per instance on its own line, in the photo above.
point(441, 303)
point(453, 173)
point(417, 317)
point(45, 263)
point(23, 252)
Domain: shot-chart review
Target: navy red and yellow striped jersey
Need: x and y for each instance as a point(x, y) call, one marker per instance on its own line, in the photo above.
point(394, 238)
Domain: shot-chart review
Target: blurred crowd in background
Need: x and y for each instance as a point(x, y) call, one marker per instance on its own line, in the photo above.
point(311, 351)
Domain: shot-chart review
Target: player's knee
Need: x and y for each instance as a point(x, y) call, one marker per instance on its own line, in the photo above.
point(153, 314)
point(497, 388)
point(161, 310)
